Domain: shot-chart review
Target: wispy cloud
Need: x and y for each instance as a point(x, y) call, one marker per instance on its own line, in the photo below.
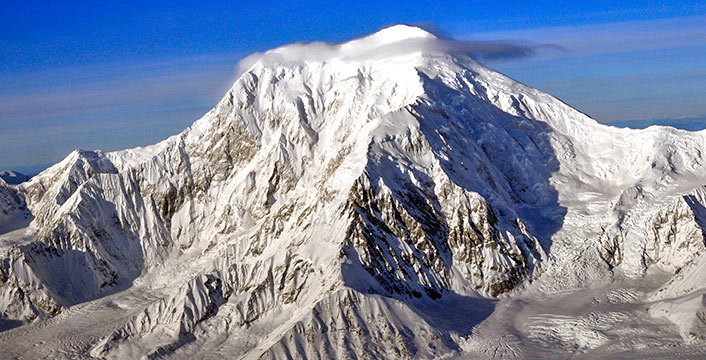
point(46, 114)
point(583, 40)
point(65, 91)
point(368, 47)
point(617, 71)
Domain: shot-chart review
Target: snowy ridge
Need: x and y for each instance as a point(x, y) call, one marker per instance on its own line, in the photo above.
point(358, 200)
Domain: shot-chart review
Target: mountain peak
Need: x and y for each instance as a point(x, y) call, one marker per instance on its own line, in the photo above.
point(390, 181)
point(399, 33)
point(394, 42)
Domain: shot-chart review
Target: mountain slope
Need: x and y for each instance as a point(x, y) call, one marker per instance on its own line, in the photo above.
point(365, 199)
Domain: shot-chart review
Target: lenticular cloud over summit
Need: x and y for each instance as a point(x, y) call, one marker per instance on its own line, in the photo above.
point(393, 41)
point(386, 197)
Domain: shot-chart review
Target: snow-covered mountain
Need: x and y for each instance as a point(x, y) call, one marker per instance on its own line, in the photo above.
point(385, 197)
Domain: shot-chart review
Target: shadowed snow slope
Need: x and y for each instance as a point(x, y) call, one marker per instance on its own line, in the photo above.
point(372, 198)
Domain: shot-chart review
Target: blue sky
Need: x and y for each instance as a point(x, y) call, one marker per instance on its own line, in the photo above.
point(111, 75)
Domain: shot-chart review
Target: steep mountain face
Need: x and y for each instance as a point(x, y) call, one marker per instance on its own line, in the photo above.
point(365, 199)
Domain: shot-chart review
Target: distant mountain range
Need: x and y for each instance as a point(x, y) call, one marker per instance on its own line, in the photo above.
point(695, 123)
point(13, 177)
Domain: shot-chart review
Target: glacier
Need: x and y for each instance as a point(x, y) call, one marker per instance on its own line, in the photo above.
point(386, 197)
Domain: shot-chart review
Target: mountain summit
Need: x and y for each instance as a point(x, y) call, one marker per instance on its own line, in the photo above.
point(384, 197)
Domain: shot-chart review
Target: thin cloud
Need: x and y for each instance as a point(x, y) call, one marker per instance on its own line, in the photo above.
point(363, 49)
point(618, 37)
point(67, 91)
point(490, 49)
point(46, 114)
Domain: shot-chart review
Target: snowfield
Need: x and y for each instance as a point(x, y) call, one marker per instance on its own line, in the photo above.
point(387, 197)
